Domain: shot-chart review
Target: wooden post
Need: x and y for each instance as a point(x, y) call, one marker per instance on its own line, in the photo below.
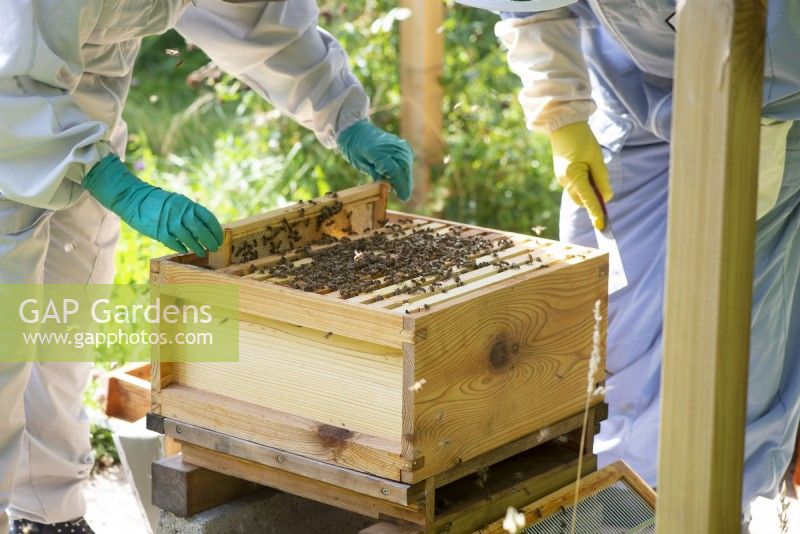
point(719, 70)
point(421, 64)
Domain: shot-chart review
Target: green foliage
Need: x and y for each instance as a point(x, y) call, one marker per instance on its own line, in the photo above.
point(224, 146)
point(496, 173)
point(105, 452)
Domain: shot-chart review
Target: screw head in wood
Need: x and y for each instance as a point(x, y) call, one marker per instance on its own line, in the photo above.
point(280, 458)
point(179, 429)
point(385, 491)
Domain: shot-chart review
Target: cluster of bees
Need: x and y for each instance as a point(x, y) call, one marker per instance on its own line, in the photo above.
point(416, 262)
point(285, 236)
point(413, 260)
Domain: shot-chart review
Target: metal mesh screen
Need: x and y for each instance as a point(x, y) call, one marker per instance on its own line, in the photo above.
point(616, 509)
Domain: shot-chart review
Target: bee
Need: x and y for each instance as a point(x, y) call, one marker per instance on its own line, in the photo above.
point(174, 53)
point(538, 229)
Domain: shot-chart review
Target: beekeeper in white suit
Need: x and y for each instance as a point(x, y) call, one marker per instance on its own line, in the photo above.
point(597, 78)
point(65, 70)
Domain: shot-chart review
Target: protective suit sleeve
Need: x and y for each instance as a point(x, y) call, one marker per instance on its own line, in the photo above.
point(277, 49)
point(544, 50)
point(47, 143)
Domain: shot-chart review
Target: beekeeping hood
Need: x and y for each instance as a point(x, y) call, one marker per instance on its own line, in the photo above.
point(516, 5)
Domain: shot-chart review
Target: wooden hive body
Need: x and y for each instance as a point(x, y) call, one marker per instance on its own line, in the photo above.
point(400, 390)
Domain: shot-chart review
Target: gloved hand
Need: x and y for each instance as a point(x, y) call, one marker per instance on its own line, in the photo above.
point(170, 218)
point(382, 155)
point(578, 164)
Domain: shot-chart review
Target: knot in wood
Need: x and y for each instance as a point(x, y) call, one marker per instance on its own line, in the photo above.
point(333, 437)
point(498, 357)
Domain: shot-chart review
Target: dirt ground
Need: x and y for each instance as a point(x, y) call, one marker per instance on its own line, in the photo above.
point(112, 508)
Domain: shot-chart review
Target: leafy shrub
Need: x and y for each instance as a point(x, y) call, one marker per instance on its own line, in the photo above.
point(105, 452)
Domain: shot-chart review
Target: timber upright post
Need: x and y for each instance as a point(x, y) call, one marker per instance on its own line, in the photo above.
point(714, 165)
point(421, 64)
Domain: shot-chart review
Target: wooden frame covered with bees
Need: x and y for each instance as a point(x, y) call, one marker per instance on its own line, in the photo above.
point(416, 363)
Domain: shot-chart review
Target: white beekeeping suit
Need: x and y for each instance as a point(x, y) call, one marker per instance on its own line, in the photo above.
point(544, 50)
point(65, 71)
point(628, 53)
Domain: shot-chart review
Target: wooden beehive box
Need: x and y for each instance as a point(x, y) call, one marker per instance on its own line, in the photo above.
point(398, 386)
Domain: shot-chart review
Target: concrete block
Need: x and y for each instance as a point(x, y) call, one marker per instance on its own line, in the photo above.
point(138, 448)
point(267, 511)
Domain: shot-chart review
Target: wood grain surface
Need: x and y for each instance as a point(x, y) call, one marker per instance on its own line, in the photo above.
point(711, 236)
point(500, 365)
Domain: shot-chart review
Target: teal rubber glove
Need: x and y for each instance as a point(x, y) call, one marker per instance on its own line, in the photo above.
point(170, 218)
point(382, 155)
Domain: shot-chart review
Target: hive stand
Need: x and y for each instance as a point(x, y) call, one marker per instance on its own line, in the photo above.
point(216, 467)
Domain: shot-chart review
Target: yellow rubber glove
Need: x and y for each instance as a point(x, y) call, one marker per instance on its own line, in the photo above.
point(580, 169)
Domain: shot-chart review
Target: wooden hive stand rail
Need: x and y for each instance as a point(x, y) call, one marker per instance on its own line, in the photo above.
point(459, 500)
